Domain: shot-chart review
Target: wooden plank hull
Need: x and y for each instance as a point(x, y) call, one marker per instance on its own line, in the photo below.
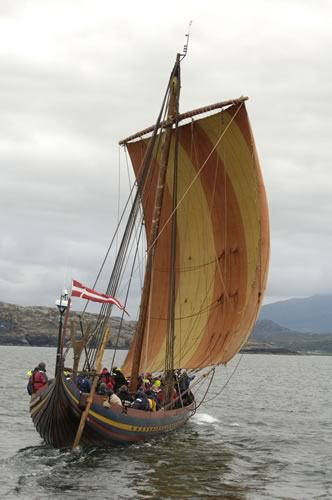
point(56, 412)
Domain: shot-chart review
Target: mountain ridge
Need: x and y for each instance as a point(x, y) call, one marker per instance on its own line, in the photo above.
point(279, 337)
point(308, 314)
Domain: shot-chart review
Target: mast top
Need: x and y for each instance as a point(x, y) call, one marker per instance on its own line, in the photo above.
point(185, 47)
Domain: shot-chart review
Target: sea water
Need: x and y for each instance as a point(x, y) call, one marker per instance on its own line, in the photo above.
point(264, 432)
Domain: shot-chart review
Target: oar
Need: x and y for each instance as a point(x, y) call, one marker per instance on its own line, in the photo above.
point(89, 400)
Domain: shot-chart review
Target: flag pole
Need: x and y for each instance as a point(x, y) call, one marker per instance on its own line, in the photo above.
point(65, 326)
point(62, 305)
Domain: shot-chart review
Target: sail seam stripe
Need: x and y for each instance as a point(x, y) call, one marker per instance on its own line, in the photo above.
point(195, 178)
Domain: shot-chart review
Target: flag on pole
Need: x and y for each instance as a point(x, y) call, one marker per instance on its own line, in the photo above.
point(83, 292)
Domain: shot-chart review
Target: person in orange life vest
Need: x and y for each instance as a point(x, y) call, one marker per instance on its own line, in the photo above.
point(38, 378)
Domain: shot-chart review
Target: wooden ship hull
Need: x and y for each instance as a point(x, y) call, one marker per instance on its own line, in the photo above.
point(56, 412)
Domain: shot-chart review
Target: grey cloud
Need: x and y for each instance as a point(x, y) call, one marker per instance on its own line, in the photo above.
point(70, 90)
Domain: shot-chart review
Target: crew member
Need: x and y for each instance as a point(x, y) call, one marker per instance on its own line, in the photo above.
point(113, 399)
point(38, 378)
point(119, 379)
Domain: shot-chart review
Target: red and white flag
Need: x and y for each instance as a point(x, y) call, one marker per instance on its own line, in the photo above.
point(83, 292)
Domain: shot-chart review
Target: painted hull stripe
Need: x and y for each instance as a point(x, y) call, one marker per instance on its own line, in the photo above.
point(131, 427)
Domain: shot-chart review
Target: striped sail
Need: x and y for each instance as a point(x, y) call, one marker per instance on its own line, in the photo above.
point(222, 248)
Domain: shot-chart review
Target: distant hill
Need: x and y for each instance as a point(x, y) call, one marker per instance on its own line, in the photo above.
point(39, 326)
point(311, 314)
point(278, 337)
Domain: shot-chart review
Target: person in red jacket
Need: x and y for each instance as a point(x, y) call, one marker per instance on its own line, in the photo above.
point(38, 378)
point(105, 378)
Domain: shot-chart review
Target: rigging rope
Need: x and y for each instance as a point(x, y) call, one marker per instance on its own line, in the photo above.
point(207, 390)
point(126, 299)
point(227, 381)
point(112, 287)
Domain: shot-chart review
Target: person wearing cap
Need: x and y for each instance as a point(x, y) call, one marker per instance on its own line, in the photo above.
point(38, 379)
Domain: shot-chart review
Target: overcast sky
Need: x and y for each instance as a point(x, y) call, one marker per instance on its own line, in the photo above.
point(77, 76)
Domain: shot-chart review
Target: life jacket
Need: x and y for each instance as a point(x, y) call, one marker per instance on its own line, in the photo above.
point(38, 380)
point(105, 376)
point(152, 404)
point(110, 384)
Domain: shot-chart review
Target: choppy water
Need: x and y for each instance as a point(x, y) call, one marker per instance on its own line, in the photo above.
point(267, 436)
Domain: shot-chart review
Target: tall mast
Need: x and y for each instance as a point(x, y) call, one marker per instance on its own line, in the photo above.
point(174, 89)
point(170, 337)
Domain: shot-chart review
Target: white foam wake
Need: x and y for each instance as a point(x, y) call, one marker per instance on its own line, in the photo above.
point(204, 418)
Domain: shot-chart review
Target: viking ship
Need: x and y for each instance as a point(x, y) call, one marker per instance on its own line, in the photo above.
point(199, 200)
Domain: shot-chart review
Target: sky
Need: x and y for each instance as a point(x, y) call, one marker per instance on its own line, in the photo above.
point(78, 76)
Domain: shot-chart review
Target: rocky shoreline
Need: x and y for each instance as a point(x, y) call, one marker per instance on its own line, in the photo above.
point(39, 326)
point(269, 350)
